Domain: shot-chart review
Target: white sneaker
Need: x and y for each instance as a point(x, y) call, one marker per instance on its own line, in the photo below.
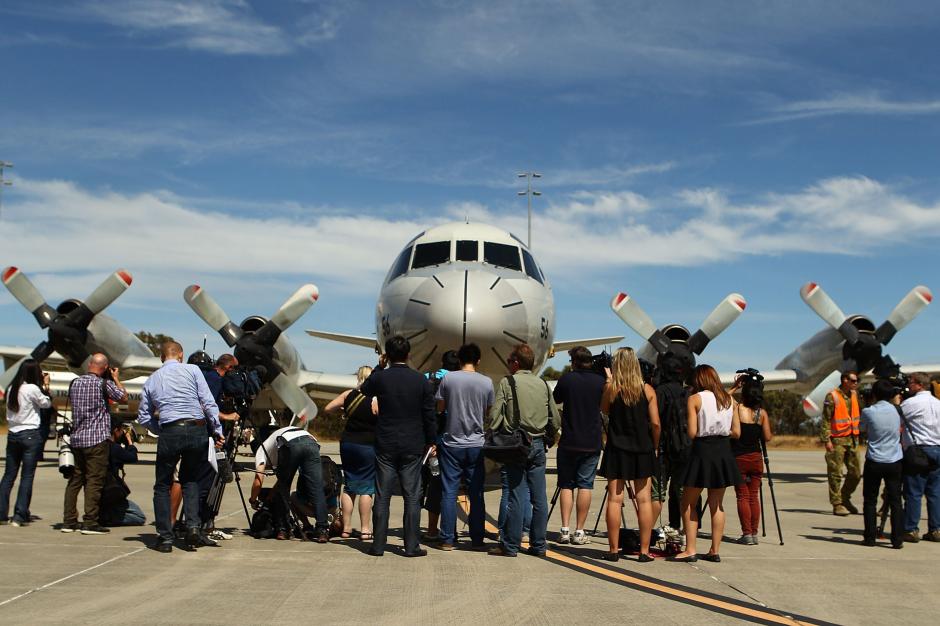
point(579, 538)
point(565, 535)
point(218, 535)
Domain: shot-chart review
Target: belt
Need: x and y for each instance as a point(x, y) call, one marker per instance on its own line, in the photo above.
point(180, 423)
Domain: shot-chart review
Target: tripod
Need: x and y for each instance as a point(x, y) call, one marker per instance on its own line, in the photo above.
point(227, 468)
point(773, 498)
point(623, 519)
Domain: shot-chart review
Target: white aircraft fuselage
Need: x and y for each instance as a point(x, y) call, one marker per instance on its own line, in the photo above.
point(460, 283)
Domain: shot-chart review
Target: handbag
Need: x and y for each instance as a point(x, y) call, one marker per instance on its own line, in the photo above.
point(115, 490)
point(508, 446)
point(916, 462)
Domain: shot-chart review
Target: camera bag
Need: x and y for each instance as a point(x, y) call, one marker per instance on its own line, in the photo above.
point(915, 462)
point(508, 446)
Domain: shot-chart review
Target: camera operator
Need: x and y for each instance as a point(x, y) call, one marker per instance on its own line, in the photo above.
point(839, 431)
point(755, 427)
point(672, 399)
point(116, 509)
point(579, 393)
point(286, 451)
point(922, 412)
point(91, 432)
point(882, 423)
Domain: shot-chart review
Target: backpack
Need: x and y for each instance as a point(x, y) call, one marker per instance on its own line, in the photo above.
point(332, 477)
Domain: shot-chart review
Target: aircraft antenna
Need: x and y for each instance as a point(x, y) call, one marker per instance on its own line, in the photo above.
point(529, 192)
point(4, 183)
point(204, 339)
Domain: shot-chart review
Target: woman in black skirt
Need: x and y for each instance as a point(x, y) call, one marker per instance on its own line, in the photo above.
point(630, 454)
point(712, 422)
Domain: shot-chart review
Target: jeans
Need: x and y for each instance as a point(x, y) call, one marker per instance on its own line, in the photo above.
point(91, 469)
point(530, 478)
point(874, 474)
point(504, 504)
point(303, 454)
point(916, 487)
point(127, 513)
point(23, 448)
point(187, 445)
point(457, 463)
point(407, 469)
point(751, 465)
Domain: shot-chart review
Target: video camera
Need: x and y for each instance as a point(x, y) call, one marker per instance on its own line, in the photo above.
point(240, 387)
point(601, 361)
point(750, 376)
point(752, 387)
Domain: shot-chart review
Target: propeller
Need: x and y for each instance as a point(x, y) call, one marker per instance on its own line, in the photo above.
point(715, 323)
point(864, 350)
point(813, 402)
point(67, 330)
point(256, 349)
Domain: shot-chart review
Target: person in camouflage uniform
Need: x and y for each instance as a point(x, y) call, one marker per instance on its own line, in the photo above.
point(839, 431)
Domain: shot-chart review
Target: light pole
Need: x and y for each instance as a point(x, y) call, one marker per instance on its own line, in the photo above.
point(4, 183)
point(529, 192)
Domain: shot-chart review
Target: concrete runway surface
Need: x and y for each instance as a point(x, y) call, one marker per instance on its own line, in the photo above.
point(821, 574)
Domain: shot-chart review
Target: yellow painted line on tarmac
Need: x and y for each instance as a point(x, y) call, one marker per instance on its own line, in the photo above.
point(666, 590)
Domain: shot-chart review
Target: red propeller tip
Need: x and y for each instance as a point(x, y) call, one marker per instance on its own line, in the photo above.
point(620, 298)
point(808, 405)
point(126, 277)
point(9, 273)
point(741, 304)
point(926, 295)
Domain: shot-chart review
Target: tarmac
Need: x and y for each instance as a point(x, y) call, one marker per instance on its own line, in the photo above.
point(822, 574)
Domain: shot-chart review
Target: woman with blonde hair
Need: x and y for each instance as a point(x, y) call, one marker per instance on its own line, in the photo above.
point(630, 454)
point(357, 452)
point(712, 422)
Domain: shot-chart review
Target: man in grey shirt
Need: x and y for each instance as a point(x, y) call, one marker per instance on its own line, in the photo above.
point(467, 396)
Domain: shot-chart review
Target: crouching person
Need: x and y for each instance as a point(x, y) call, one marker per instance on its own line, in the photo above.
point(286, 451)
point(115, 509)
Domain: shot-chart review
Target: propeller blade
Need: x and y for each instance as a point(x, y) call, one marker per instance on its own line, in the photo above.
point(633, 316)
point(27, 294)
point(813, 403)
point(296, 306)
point(717, 321)
point(108, 291)
point(7, 376)
point(818, 300)
point(294, 397)
point(907, 309)
point(212, 314)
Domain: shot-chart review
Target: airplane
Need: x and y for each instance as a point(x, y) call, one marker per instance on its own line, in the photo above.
point(451, 284)
point(814, 368)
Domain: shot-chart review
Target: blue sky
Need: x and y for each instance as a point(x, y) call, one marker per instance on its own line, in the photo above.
point(687, 150)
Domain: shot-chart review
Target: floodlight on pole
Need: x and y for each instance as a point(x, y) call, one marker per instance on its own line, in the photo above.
point(529, 192)
point(4, 183)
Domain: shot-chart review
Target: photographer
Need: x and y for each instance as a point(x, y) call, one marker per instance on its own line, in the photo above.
point(755, 427)
point(882, 461)
point(91, 432)
point(672, 399)
point(116, 509)
point(579, 392)
point(922, 412)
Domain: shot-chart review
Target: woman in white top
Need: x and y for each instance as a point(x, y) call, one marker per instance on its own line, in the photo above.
point(712, 421)
point(28, 393)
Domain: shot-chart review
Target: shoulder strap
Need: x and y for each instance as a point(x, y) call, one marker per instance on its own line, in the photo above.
point(515, 399)
point(355, 404)
point(907, 426)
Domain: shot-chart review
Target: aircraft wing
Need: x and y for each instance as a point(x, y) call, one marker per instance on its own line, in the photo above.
point(325, 386)
point(12, 354)
point(356, 340)
point(562, 346)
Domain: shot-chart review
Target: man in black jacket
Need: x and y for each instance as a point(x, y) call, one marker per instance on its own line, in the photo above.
point(115, 508)
point(405, 430)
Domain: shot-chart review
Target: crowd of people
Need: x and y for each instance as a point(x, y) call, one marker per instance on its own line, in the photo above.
point(429, 435)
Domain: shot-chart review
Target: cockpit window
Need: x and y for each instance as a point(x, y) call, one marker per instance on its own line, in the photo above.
point(530, 267)
point(401, 265)
point(502, 255)
point(427, 254)
point(467, 251)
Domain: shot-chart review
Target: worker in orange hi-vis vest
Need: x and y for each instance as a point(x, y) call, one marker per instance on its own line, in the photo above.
point(839, 431)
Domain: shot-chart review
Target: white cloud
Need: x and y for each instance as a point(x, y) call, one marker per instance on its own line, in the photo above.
point(849, 104)
point(75, 236)
point(218, 26)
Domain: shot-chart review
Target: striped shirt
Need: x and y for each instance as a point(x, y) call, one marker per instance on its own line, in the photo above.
point(91, 420)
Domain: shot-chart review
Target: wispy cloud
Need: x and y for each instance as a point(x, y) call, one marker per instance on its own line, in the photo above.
point(848, 104)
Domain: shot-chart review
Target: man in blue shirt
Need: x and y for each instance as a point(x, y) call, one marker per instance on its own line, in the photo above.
point(180, 395)
point(883, 461)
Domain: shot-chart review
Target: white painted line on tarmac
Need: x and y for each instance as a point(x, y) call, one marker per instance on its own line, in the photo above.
point(70, 576)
